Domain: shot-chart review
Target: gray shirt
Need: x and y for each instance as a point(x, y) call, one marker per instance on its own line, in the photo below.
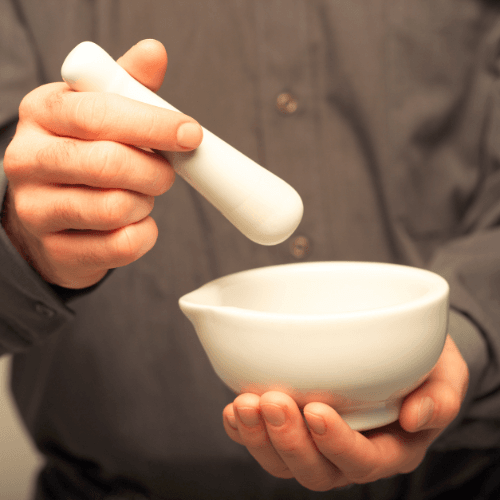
point(387, 126)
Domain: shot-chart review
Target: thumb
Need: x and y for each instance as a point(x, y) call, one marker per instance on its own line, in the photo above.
point(436, 403)
point(146, 62)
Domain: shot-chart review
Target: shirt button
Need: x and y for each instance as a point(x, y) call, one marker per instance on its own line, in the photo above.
point(44, 310)
point(286, 103)
point(299, 247)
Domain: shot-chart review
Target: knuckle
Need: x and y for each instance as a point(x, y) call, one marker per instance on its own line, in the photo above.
point(45, 156)
point(41, 102)
point(255, 438)
point(58, 152)
point(157, 178)
point(56, 251)
point(64, 212)
point(52, 248)
point(107, 160)
point(19, 157)
point(71, 251)
point(48, 112)
point(23, 208)
point(92, 259)
point(23, 211)
point(88, 113)
point(115, 208)
point(288, 451)
point(132, 243)
point(53, 102)
point(150, 202)
point(12, 162)
point(164, 181)
point(153, 127)
point(88, 257)
point(128, 245)
point(28, 105)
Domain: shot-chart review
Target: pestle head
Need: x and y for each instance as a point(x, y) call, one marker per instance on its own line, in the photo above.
point(261, 205)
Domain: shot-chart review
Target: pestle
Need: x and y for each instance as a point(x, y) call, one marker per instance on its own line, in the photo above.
point(261, 205)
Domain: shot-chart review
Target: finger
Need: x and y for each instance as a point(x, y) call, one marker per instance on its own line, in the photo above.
point(230, 424)
point(436, 403)
point(253, 434)
point(360, 459)
point(104, 164)
point(146, 62)
point(290, 438)
point(51, 208)
point(351, 452)
point(104, 116)
point(78, 254)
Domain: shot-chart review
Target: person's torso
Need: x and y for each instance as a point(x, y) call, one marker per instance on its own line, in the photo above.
point(366, 108)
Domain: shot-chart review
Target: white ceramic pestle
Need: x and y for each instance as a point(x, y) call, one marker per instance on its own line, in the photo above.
point(261, 205)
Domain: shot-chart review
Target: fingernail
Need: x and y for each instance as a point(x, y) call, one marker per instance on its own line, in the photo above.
point(232, 421)
point(273, 414)
point(189, 135)
point(248, 416)
point(425, 411)
point(315, 422)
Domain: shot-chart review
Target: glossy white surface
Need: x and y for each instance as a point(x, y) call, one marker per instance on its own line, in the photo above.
point(357, 336)
point(261, 205)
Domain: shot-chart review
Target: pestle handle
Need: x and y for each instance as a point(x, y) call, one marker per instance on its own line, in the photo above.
point(261, 205)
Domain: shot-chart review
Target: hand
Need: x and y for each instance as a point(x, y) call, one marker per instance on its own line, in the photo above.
point(332, 455)
point(80, 188)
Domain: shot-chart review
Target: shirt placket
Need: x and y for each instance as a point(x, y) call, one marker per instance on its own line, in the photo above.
point(287, 101)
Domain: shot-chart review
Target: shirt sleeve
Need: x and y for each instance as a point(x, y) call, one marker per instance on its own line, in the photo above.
point(465, 431)
point(471, 265)
point(29, 309)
